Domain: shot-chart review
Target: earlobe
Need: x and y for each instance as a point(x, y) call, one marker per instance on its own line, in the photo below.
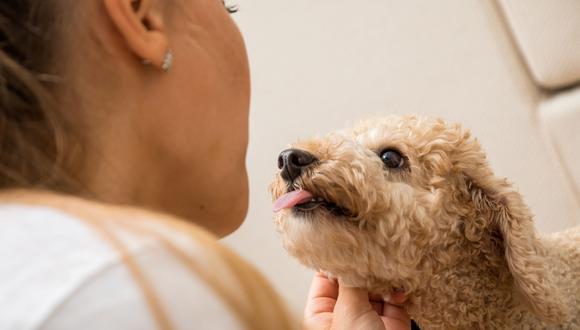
point(140, 24)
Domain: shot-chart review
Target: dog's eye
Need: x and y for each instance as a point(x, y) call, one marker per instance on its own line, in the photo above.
point(392, 158)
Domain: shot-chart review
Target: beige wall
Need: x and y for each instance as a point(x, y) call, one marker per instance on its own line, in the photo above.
point(318, 64)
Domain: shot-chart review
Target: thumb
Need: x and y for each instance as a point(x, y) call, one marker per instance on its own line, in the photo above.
point(353, 310)
point(351, 295)
point(352, 300)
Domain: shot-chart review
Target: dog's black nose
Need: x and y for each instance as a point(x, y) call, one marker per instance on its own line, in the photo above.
point(292, 162)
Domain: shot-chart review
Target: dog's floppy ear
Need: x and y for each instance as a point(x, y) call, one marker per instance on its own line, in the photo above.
point(496, 200)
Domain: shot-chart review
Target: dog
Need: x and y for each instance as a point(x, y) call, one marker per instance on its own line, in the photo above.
point(410, 204)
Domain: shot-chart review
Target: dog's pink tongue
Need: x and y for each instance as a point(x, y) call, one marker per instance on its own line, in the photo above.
point(292, 199)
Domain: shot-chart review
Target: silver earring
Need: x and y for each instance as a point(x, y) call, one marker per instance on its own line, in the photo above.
point(167, 61)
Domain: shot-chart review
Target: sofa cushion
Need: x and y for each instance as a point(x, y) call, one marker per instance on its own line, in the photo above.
point(548, 35)
point(561, 118)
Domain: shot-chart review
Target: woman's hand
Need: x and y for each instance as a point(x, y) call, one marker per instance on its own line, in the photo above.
point(334, 306)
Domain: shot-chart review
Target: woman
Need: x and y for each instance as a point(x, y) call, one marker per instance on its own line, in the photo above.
point(108, 104)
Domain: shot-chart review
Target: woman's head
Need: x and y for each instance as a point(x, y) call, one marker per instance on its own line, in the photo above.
point(112, 121)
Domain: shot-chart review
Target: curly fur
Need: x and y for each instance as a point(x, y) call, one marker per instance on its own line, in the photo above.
point(457, 239)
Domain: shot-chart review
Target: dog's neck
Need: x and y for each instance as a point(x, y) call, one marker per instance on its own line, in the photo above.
point(460, 289)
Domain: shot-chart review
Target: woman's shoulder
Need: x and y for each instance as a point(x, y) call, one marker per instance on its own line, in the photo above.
point(57, 221)
point(67, 260)
point(110, 223)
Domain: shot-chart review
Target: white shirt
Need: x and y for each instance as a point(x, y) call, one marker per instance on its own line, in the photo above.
point(56, 272)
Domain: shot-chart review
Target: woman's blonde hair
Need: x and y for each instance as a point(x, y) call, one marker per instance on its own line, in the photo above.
point(34, 138)
point(241, 288)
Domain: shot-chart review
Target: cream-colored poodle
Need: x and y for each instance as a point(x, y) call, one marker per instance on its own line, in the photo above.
point(410, 203)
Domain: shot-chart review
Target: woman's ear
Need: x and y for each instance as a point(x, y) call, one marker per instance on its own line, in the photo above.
point(140, 23)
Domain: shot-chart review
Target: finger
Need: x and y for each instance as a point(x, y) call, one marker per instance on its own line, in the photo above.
point(398, 298)
point(353, 310)
point(352, 300)
point(352, 295)
point(322, 286)
point(395, 317)
point(321, 297)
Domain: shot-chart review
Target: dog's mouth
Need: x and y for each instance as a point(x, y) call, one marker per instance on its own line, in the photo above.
point(305, 202)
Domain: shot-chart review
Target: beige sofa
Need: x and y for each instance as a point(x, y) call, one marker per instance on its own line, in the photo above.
point(509, 70)
point(547, 34)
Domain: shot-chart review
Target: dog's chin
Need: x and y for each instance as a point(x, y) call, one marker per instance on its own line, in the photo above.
point(320, 239)
point(310, 235)
point(323, 242)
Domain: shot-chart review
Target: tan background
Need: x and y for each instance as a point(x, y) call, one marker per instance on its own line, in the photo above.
point(319, 64)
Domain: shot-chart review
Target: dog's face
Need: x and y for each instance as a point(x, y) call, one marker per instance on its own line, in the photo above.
point(368, 204)
point(404, 203)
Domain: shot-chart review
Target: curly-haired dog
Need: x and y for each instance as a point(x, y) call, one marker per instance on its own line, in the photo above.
point(410, 203)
